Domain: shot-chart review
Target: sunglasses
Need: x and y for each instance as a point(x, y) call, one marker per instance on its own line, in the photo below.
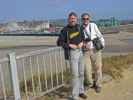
point(85, 18)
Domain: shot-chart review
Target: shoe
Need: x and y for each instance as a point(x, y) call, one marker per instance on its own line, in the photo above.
point(83, 96)
point(98, 89)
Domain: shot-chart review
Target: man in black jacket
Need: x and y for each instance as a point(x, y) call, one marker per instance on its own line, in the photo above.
point(71, 40)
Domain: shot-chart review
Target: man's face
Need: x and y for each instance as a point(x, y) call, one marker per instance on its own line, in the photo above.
point(72, 20)
point(86, 20)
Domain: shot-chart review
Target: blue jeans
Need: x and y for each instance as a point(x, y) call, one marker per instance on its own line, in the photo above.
point(77, 67)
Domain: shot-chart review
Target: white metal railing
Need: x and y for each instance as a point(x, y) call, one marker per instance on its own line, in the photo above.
point(32, 74)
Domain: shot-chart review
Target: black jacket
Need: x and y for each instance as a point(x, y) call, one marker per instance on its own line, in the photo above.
point(69, 35)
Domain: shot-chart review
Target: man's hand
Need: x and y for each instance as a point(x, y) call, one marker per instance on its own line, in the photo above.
point(87, 45)
point(80, 45)
point(73, 46)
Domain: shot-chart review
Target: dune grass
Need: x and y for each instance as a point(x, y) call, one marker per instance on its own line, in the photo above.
point(115, 65)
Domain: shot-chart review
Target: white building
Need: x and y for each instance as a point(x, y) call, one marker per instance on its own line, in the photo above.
point(43, 26)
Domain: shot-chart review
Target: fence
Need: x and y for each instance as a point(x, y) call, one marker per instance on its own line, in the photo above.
point(33, 74)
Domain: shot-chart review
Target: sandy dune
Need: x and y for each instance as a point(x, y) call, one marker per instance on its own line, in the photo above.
point(115, 90)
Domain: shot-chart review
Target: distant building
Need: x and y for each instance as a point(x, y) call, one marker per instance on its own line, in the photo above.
point(42, 27)
point(12, 26)
point(26, 26)
point(3, 29)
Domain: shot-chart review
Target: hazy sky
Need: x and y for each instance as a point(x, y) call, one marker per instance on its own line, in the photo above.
point(47, 9)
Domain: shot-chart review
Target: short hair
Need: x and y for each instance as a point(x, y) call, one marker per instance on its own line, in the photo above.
point(72, 14)
point(85, 14)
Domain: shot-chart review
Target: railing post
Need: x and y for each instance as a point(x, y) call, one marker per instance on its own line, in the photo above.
point(14, 76)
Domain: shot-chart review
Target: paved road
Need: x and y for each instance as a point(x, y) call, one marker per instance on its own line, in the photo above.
point(21, 50)
point(115, 43)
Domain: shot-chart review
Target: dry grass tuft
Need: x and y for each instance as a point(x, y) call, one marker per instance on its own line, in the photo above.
point(115, 65)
